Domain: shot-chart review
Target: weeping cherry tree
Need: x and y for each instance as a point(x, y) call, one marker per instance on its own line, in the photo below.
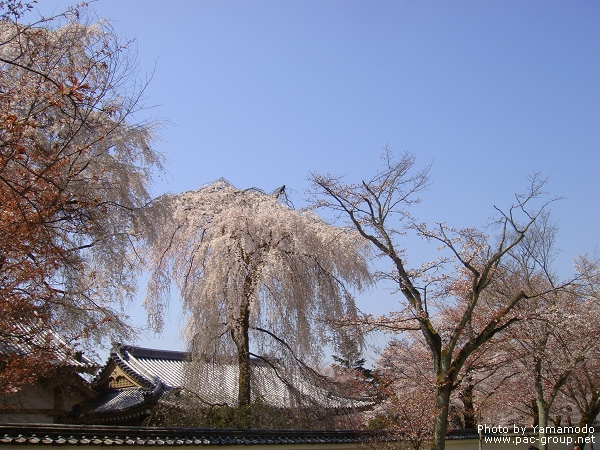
point(255, 276)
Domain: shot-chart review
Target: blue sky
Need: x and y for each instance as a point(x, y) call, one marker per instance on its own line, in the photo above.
point(264, 92)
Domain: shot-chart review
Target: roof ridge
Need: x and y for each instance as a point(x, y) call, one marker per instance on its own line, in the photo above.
point(145, 352)
point(121, 355)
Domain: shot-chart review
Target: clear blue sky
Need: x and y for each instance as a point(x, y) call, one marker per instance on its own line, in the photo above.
point(263, 92)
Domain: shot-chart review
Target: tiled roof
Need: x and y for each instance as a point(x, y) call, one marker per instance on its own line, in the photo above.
point(27, 434)
point(218, 383)
point(149, 365)
point(122, 400)
point(24, 337)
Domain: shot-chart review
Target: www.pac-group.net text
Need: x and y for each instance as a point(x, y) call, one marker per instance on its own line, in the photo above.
point(532, 436)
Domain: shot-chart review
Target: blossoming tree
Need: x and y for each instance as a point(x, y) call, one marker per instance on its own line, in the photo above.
point(255, 275)
point(474, 273)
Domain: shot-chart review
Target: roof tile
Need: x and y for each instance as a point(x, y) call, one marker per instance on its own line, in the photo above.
point(118, 436)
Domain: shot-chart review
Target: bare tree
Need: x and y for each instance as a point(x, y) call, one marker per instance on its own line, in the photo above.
point(257, 278)
point(476, 272)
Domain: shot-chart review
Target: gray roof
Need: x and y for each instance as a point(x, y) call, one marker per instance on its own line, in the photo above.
point(159, 371)
point(121, 400)
point(29, 336)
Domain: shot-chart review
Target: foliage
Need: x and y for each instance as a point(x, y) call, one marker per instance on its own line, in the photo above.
point(561, 330)
point(252, 270)
point(349, 358)
point(19, 368)
point(74, 168)
point(582, 388)
point(407, 383)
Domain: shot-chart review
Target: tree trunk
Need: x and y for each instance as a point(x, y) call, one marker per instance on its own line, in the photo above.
point(588, 418)
point(240, 336)
point(534, 413)
point(581, 436)
point(542, 408)
point(243, 349)
point(440, 426)
point(466, 396)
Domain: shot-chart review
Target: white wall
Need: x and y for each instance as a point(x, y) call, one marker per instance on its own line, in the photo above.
point(555, 443)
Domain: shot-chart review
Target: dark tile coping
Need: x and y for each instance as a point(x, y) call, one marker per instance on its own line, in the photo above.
point(51, 434)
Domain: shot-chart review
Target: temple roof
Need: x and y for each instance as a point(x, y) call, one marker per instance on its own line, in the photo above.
point(146, 366)
point(28, 336)
point(135, 379)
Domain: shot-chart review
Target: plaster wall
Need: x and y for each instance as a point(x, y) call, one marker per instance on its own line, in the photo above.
point(554, 443)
